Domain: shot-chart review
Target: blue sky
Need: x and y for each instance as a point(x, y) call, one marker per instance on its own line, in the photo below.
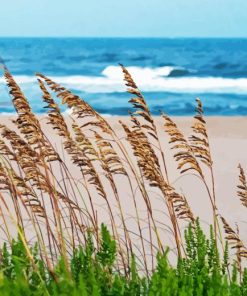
point(129, 18)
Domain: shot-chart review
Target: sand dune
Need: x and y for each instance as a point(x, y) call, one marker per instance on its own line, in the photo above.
point(228, 140)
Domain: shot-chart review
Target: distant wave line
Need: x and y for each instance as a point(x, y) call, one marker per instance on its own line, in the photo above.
point(148, 80)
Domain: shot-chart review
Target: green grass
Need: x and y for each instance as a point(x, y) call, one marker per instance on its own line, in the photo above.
point(95, 272)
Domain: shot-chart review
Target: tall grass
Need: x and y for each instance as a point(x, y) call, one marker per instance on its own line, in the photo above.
point(54, 198)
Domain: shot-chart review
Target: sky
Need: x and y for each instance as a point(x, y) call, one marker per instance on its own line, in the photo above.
point(119, 18)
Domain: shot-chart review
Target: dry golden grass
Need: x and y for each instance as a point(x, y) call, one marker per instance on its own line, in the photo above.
point(37, 186)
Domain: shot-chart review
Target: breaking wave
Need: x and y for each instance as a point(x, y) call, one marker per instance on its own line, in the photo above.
point(160, 79)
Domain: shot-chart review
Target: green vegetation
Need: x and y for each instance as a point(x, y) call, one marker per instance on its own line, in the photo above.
point(94, 272)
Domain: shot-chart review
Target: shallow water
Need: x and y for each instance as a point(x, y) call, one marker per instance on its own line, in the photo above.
point(170, 72)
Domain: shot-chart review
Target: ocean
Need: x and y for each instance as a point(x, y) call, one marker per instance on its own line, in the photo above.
point(170, 72)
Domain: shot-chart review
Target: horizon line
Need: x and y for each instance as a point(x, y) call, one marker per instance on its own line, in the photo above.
point(129, 37)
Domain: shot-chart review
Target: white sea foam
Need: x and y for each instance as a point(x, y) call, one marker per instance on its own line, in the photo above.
point(8, 113)
point(114, 72)
point(21, 79)
point(148, 79)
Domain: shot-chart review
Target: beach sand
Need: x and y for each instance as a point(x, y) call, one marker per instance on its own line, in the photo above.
point(228, 141)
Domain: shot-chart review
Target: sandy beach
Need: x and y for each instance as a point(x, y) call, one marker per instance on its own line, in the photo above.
point(228, 141)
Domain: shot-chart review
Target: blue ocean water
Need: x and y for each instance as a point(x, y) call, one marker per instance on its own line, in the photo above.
point(170, 72)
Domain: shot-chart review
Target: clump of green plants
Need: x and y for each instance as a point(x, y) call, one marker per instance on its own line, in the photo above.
point(93, 271)
point(64, 218)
